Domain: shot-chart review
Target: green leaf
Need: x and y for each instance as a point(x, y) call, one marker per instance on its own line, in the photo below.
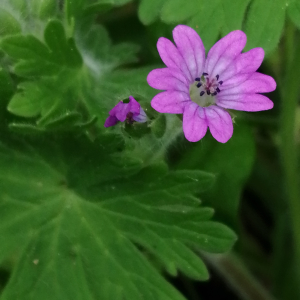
point(82, 8)
point(8, 23)
point(43, 9)
point(99, 7)
point(293, 11)
point(158, 126)
point(24, 128)
point(210, 18)
point(74, 8)
point(26, 103)
point(148, 11)
point(98, 52)
point(175, 11)
point(233, 14)
point(74, 222)
point(25, 47)
point(231, 162)
point(260, 27)
point(48, 98)
point(208, 21)
point(35, 59)
point(64, 50)
point(205, 17)
point(68, 120)
point(7, 87)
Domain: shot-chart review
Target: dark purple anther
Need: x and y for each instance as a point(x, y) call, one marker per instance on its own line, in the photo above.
point(202, 93)
point(197, 79)
point(217, 77)
point(199, 84)
point(214, 94)
point(221, 82)
point(218, 90)
point(129, 118)
point(208, 92)
point(205, 74)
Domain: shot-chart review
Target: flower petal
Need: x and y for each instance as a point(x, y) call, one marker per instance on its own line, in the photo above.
point(117, 107)
point(219, 122)
point(171, 57)
point(191, 48)
point(170, 102)
point(111, 121)
point(194, 122)
point(244, 64)
point(245, 102)
point(141, 117)
point(257, 83)
point(168, 79)
point(121, 111)
point(133, 106)
point(221, 55)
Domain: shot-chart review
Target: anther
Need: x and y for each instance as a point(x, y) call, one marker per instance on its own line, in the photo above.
point(218, 90)
point(205, 74)
point(214, 94)
point(208, 92)
point(202, 93)
point(197, 79)
point(199, 84)
point(217, 76)
point(221, 82)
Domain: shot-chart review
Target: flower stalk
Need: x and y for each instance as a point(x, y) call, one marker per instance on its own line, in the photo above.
point(290, 91)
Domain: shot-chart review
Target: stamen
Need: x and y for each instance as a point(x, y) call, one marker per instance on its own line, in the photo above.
point(197, 79)
point(214, 94)
point(205, 74)
point(218, 90)
point(221, 82)
point(208, 92)
point(199, 84)
point(217, 77)
point(202, 93)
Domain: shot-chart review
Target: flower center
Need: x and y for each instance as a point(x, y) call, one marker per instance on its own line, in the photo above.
point(129, 118)
point(204, 90)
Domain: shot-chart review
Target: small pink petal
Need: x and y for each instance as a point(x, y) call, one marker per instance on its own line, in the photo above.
point(221, 55)
point(194, 122)
point(141, 117)
point(168, 79)
point(121, 111)
point(245, 63)
point(191, 49)
point(171, 56)
point(133, 106)
point(257, 83)
point(111, 121)
point(170, 102)
point(219, 122)
point(245, 102)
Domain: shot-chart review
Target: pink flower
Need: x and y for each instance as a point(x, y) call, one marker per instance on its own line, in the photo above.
point(130, 112)
point(202, 89)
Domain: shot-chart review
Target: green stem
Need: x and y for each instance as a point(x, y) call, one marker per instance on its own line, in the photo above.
point(290, 94)
point(232, 269)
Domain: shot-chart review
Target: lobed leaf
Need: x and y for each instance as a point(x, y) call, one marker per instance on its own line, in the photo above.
point(36, 59)
point(86, 232)
point(260, 27)
point(293, 10)
point(215, 17)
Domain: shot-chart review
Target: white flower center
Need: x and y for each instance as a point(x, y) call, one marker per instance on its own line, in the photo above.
point(203, 90)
